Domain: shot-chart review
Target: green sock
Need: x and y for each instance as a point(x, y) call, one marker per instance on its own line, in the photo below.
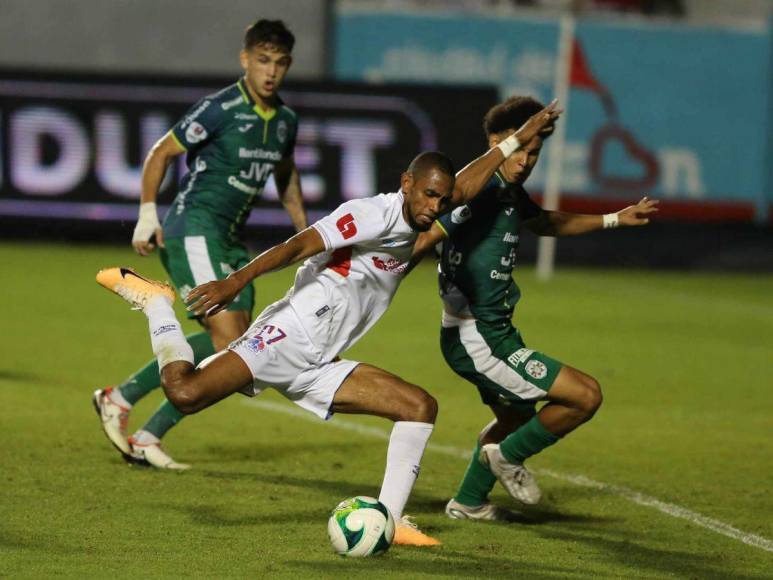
point(526, 441)
point(165, 417)
point(477, 482)
point(148, 378)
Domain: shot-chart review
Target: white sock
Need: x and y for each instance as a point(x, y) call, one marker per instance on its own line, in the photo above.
point(143, 437)
point(166, 334)
point(116, 397)
point(406, 446)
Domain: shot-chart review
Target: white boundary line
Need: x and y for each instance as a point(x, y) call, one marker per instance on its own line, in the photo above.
point(620, 491)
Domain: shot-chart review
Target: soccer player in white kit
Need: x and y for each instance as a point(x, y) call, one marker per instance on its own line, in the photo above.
point(355, 260)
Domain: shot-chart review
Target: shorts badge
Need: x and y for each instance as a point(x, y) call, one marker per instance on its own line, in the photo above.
point(536, 369)
point(256, 344)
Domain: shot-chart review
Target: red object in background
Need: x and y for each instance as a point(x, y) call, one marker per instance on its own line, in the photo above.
point(581, 77)
point(613, 133)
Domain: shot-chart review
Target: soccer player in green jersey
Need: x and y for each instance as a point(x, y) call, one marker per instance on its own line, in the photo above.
point(478, 339)
point(234, 140)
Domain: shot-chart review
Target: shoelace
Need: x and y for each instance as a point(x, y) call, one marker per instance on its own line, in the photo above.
point(406, 521)
point(123, 421)
point(521, 475)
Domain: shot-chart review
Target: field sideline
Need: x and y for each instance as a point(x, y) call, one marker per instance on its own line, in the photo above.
point(684, 361)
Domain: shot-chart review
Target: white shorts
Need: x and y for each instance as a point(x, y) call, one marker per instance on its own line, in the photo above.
point(280, 355)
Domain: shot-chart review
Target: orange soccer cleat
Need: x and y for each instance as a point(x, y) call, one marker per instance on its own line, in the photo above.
point(132, 287)
point(407, 534)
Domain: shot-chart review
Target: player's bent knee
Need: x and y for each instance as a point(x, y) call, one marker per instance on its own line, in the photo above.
point(423, 408)
point(184, 398)
point(591, 397)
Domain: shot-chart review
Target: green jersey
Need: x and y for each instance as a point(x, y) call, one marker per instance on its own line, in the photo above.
point(478, 256)
point(233, 147)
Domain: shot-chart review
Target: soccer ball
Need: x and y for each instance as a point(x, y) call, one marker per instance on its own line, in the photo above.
point(361, 526)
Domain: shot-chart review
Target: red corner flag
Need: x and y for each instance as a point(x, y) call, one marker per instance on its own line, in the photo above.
point(581, 77)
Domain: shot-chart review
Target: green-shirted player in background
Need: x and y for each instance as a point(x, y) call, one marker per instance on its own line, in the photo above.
point(478, 339)
point(234, 140)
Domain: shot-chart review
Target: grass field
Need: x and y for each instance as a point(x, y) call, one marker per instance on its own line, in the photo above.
point(685, 361)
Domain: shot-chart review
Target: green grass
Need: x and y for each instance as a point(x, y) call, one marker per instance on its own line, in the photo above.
point(684, 360)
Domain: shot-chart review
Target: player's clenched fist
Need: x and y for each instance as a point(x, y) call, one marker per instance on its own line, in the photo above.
point(147, 226)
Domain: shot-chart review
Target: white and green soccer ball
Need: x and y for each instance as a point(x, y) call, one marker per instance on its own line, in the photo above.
point(361, 526)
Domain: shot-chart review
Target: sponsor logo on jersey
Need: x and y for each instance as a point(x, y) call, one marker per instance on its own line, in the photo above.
point(232, 103)
point(322, 311)
point(510, 238)
point(257, 171)
point(245, 153)
point(392, 265)
point(195, 113)
point(195, 132)
point(509, 211)
point(245, 128)
point(519, 356)
point(536, 369)
point(241, 186)
point(245, 116)
point(281, 131)
point(496, 275)
point(461, 214)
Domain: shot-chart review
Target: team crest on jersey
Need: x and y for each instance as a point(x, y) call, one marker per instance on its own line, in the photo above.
point(536, 369)
point(281, 131)
point(461, 214)
point(195, 132)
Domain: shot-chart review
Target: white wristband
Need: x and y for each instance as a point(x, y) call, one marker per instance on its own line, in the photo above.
point(610, 220)
point(508, 146)
point(147, 222)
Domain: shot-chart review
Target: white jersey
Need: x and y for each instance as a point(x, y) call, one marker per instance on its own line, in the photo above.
point(342, 292)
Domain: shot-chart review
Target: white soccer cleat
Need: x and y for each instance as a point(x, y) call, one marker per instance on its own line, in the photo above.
point(516, 479)
point(114, 419)
point(151, 454)
point(132, 287)
point(484, 512)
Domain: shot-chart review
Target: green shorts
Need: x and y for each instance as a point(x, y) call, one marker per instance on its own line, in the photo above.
point(496, 360)
point(194, 260)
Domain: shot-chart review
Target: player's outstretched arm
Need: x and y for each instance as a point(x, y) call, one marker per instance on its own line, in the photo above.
point(560, 223)
point(212, 297)
point(153, 171)
point(471, 179)
point(288, 184)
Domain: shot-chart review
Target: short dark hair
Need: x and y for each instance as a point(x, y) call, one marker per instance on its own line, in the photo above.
point(510, 114)
point(428, 160)
point(269, 32)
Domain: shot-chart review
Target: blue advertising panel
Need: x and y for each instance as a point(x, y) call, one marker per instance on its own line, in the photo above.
point(680, 113)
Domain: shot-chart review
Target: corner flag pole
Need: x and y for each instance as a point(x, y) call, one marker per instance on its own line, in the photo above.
point(546, 248)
